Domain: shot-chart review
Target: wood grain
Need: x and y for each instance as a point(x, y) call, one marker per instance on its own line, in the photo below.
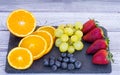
point(52, 18)
point(62, 5)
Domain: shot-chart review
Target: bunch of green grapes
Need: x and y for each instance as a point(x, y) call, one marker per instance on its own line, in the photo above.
point(69, 37)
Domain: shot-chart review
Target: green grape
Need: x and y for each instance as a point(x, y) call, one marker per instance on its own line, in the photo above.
point(62, 26)
point(68, 31)
point(79, 33)
point(71, 49)
point(74, 30)
point(63, 47)
point(64, 38)
point(69, 25)
point(78, 45)
point(74, 38)
point(58, 32)
point(58, 42)
point(78, 25)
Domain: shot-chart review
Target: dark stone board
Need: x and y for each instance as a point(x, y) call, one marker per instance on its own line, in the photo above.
point(37, 66)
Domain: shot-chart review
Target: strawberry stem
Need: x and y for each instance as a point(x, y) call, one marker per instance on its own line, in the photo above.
point(110, 56)
point(107, 40)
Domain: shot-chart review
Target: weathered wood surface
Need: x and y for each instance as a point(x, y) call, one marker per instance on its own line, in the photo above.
point(62, 5)
point(108, 20)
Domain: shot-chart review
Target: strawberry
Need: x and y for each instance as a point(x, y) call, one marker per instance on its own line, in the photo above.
point(93, 35)
point(102, 57)
point(89, 25)
point(98, 45)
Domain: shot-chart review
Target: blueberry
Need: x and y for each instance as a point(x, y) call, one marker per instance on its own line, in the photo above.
point(64, 65)
point(72, 59)
point(59, 58)
point(66, 59)
point(46, 62)
point(52, 57)
point(57, 63)
point(78, 64)
point(52, 62)
point(71, 66)
point(63, 54)
point(69, 55)
point(54, 67)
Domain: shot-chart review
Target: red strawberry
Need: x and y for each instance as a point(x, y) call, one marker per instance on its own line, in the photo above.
point(97, 45)
point(102, 57)
point(89, 25)
point(93, 35)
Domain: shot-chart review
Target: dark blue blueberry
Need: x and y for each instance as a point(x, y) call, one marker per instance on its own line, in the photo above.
point(52, 57)
point(57, 63)
point(52, 62)
point(64, 65)
point(59, 58)
point(63, 54)
point(46, 62)
point(66, 59)
point(69, 55)
point(72, 59)
point(71, 66)
point(54, 67)
point(78, 64)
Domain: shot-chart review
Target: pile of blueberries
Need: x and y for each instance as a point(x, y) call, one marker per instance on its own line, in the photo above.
point(65, 61)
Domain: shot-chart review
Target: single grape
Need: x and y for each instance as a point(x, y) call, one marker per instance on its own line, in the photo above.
point(63, 47)
point(71, 49)
point(78, 45)
point(79, 33)
point(58, 42)
point(62, 26)
point(64, 38)
point(68, 31)
point(58, 32)
point(69, 25)
point(74, 38)
point(78, 25)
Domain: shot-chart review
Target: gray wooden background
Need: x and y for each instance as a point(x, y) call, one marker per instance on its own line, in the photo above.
point(55, 12)
point(109, 6)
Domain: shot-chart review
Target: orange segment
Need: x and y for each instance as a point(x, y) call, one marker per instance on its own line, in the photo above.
point(48, 37)
point(36, 44)
point(21, 23)
point(50, 29)
point(20, 58)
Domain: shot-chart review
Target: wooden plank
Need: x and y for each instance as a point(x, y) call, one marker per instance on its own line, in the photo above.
point(108, 20)
point(62, 5)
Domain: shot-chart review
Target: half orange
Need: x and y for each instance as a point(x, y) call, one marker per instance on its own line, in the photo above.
point(21, 22)
point(36, 44)
point(20, 58)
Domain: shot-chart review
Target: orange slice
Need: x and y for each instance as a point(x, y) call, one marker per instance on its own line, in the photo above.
point(36, 44)
point(48, 37)
point(20, 58)
point(21, 23)
point(50, 29)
